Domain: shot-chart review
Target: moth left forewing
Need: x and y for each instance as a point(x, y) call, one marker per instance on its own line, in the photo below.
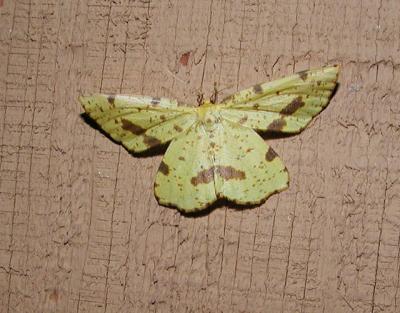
point(138, 122)
point(161, 133)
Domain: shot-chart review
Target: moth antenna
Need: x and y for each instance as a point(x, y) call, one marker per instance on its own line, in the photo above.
point(200, 98)
point(214, 97)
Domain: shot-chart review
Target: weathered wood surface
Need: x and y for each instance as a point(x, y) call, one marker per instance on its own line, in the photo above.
point(80, 229)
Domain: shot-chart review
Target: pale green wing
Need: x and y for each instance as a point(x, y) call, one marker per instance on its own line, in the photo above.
point(226, 161)
point(285, 105)
point(247, 170)
point(138, 122)
point(185, 178)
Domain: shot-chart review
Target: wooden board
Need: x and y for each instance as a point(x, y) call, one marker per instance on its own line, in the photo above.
point(80, 229)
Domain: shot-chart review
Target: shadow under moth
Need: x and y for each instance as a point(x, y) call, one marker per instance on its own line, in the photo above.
point(215, 151)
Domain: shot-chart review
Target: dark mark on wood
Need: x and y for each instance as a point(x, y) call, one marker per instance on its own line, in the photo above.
point(162, 117)
point(203, 177)
point(293, 106)
point(184, 60)
point(129, 126)
point(54, 295)
point(164, 168)
point(270, 155)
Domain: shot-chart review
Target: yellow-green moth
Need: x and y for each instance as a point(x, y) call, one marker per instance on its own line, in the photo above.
point(214, 151)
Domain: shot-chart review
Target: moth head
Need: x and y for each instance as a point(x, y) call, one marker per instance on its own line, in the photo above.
point(206, 103)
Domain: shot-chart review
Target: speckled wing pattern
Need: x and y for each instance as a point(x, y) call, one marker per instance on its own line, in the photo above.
point(214, 151)
point(185, 178)
point(138, 122)
point(286, 105)
point(218, 159)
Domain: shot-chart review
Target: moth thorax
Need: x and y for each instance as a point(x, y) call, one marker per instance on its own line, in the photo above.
point(210, 119)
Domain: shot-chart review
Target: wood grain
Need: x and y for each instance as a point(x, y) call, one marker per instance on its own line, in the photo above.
point(80, 229)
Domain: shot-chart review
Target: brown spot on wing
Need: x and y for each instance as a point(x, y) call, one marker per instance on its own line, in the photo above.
point(155, 101)
point(277, 125)
point(181, 158)
point(270, 155)
point(129, 126)
point(178, 128)
point(293, 106)
point(229, 172)
point(162, 117)
point(243, 119)
point(303, 75)
point(151, 141)
point(203, 177)
point(257, 89)
point(111, 100)
point(164, 168)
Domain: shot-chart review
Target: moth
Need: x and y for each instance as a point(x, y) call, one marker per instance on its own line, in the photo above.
point(215, 150)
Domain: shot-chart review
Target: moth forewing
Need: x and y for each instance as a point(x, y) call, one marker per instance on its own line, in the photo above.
point(138, 122)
